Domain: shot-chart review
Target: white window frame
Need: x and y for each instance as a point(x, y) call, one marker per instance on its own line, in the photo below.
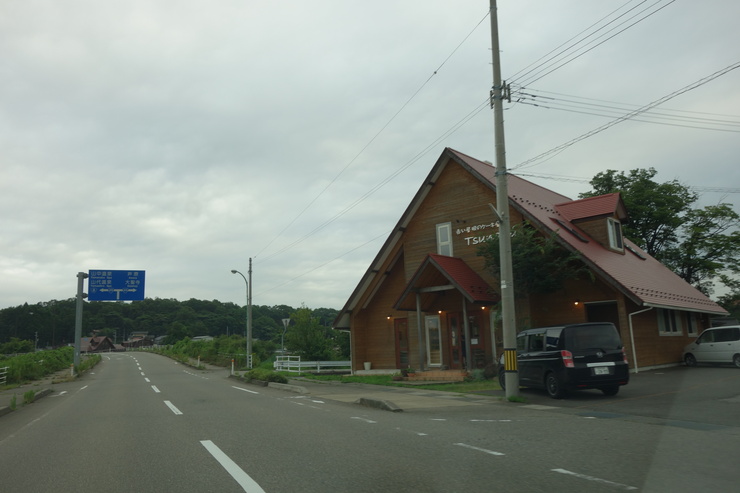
point(669, 322)
point(616, 239)
point(444, 247)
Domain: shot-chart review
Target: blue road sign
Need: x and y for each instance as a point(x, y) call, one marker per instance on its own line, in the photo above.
point(115, 285)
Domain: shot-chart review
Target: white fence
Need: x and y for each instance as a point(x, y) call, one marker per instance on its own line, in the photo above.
point(4, 375)
point(294, 364)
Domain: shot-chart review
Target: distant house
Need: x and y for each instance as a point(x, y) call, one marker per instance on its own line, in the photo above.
point(426, 300)
point(138, 339)
point(97, 344)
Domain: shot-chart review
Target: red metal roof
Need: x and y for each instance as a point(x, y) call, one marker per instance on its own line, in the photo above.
point(602, 205)
point(436, 269)
point(635, 273)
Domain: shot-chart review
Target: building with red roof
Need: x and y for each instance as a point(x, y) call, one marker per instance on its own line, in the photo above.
point(427, 301)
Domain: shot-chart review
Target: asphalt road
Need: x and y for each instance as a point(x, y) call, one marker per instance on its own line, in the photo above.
point(143, 423)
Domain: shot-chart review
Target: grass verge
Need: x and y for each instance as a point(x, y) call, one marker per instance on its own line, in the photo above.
point(460, 387)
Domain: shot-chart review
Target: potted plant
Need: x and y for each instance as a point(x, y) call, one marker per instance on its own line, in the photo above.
point(408, 372)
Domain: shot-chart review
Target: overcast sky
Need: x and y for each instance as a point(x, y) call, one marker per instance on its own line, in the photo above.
point(184, 137)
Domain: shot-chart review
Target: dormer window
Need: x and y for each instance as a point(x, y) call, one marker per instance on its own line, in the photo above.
point(614, 228)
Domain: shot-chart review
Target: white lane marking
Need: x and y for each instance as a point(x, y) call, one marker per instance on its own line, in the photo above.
point(490, 421)
point(598, 480)
point(245, 390)
point(248, 484)
point(155, 389)
point(478, 449)
point(139, 368)
point(364, 419)
point(82, 388)
point(173, 408)
point(438, 419)
point(147, 380)
point(142, 373)
point(59, 394)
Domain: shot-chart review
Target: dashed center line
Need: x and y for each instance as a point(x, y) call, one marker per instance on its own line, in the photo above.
point(155, 389)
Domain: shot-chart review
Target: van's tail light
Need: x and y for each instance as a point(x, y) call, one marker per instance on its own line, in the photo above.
point(567, 359)
point(624, 357)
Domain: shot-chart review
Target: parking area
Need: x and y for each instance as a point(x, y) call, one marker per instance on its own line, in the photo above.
point(708, 395)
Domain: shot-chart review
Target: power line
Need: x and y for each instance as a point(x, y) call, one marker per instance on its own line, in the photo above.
point(575, 179)
point(629, 115)
point(661, 118)
point(362, 150)
point(553, 63)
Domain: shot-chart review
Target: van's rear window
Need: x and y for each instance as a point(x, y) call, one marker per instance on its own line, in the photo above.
point(592, 337)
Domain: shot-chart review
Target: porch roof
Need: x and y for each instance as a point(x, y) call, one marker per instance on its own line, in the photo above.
point(438, 274)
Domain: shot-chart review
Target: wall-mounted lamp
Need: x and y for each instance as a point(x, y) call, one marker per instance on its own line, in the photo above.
point(439, 312)
point(577, 302)
point(388, 317)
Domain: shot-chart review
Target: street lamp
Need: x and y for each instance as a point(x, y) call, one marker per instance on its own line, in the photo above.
point(249, 312)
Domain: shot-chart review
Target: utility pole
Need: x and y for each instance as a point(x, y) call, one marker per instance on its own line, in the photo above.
point(81, 276)
point(502, 206)
point(249, 316)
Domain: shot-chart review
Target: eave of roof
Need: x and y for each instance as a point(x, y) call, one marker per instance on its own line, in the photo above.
point(455, 273)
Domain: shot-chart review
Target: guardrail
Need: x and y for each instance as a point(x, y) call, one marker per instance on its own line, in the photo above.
point(4, 375)
point(295, 365)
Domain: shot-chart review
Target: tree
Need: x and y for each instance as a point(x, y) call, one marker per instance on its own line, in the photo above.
point(656, 210)
point(700, 245)
point(707, 247)
point(307, 338)
point(539, 263)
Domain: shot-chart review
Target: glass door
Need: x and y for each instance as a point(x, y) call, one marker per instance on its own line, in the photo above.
point(434, 340)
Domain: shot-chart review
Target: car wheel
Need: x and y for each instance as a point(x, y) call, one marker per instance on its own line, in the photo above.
point(502, 379)
point(610, 390)
point(690, 360)
point(736, 360)
point(554, 387)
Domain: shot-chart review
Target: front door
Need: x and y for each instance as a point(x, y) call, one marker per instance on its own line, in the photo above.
point(434, 340)
point(402, 342)
point(477, 341)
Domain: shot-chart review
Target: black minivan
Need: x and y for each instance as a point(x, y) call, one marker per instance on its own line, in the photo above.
point(571, 357)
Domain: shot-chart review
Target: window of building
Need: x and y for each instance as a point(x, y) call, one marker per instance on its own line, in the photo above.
point(615, 234)
point(444, 239)
point(691, 324)
point(669, 323)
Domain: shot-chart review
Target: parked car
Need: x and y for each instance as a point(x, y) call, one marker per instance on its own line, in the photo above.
point(715, 345)
point(571, 357)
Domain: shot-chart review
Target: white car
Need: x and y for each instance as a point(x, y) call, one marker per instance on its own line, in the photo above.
point(715, 345)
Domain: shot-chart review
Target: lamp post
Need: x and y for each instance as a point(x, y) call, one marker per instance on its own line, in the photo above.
point(249, 312)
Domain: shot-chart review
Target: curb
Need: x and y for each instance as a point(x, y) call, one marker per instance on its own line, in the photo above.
point(379, 404)
point(289, 387)
point(38, 395)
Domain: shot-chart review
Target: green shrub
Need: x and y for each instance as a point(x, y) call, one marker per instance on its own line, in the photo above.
point(28, 397)
point(33, 366)
point(477, 375)
point(265, 376)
